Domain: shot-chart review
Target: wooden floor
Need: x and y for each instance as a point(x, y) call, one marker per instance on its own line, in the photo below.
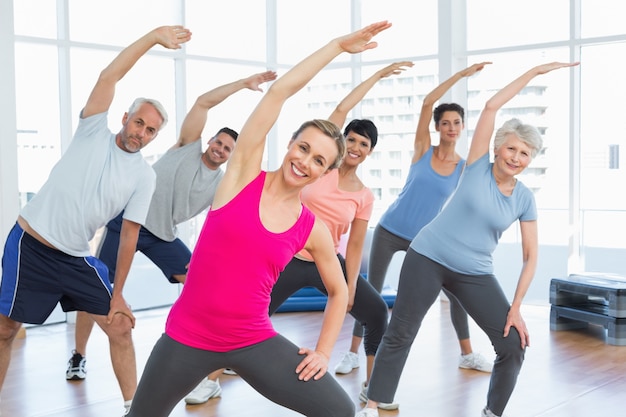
point(566, 374)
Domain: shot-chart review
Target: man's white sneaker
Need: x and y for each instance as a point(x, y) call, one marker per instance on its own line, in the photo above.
point(205, 390)
point(367, 412)
point(475, 361)
point(349, 362)
point(382, 406)
point(76, 367)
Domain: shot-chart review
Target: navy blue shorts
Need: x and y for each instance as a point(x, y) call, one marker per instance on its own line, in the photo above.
point(172, 258)
point(36, 277)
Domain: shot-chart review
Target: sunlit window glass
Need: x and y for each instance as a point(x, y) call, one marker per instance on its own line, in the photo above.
point(37, 93)
point(602, 17)
point(119, 22)
point(414, 30)
point(602, 103)
point(233, 29)
point(35, 18)
point(497, 23)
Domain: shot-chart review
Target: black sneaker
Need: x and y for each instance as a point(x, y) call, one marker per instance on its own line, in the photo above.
point(76, 367)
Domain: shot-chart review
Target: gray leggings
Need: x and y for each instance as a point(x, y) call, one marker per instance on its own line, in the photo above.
point(384, 245)
point(369, 308)
point(421, 279)
point(174, 369)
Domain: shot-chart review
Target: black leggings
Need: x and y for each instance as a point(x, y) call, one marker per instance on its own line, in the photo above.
point(369, 308)
point(174, 369)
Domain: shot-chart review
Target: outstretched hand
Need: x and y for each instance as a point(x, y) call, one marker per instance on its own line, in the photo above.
point(471, 70)
point(171, 37)
point(359, 41)
point(395, 68)
point(545, 68)
point(253, 81)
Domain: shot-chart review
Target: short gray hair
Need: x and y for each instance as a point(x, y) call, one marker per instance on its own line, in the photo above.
point(154, 103)
point(526, 133)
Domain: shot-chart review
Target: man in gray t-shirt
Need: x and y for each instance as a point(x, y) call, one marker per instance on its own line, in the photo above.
point(186, 179)
point(46, 258)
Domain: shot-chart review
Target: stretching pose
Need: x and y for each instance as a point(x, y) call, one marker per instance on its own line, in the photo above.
point(454, 252)
point(343, 202)
point(186, 179)
point(46, 256)
point(220, 319)
point(433, 176)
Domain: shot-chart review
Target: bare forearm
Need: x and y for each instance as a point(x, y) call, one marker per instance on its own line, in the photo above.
point(334, 315)
point(526, 276)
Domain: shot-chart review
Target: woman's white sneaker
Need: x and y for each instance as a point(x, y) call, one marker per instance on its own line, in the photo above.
point(349, 362)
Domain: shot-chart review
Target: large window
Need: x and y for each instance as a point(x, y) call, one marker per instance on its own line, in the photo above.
point(61, 46)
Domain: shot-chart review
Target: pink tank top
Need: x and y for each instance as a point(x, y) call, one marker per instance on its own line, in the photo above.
point(236, 262)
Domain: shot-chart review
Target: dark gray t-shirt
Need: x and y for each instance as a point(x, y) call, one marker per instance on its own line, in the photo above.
point(184, 187)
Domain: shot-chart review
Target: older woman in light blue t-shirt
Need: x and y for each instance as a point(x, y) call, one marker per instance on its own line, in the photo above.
point(454, 252)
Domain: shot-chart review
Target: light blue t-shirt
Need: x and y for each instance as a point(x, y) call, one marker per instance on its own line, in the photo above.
point(466, 232)
point(92, 182)
point(421, 198)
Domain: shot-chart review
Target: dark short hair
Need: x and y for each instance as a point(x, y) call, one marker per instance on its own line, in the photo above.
point(230, 132)
point(444, 107)
point(363, 127)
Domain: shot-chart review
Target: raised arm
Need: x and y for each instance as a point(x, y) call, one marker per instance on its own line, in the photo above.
point(486, 122)
point(422, 133)
point(340, 113)
point(245, 161)
point(103, 92)
point(195, 120)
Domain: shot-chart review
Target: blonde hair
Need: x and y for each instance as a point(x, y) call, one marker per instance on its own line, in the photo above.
point(329, 129)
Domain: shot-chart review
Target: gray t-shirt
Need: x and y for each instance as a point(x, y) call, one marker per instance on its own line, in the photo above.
point(184, 187)
point(92, 182)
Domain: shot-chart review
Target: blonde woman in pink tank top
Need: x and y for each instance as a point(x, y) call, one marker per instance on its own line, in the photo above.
point(260, 214)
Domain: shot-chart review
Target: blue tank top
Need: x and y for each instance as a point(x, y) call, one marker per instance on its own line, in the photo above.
point(421, 198)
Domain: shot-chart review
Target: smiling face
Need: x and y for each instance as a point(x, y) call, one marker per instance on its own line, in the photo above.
point(309, 156)
point(219, 149)
point(450, 126)
point(139, 128)
point(358, 147)
point(512, 156)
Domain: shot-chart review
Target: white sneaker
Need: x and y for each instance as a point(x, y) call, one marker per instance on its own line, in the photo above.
point(228, 371)
point(349, 362)
point(487, 413)
point(475, 361)
point(367, 412)
point(382, 406)
point(205, 390)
